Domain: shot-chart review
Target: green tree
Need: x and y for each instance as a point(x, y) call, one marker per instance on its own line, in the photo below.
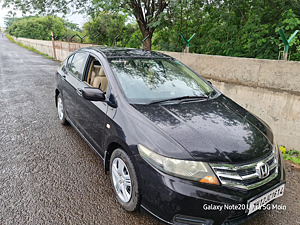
point(39, 27)
point(243, 28)
point(232, 28)
point(147, 13)
point(106, 26)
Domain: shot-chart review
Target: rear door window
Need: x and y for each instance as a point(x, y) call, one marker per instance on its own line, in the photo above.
point(77, 65)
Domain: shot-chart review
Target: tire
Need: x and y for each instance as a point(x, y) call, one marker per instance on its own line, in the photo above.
point(61, 111)
point(121, 171)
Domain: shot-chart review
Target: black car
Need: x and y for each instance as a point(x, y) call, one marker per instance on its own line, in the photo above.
point(172, 144)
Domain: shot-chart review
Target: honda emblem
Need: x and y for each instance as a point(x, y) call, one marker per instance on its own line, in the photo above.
point(262, 170)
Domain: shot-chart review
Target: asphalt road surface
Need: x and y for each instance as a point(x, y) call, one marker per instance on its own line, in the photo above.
point(48, 174)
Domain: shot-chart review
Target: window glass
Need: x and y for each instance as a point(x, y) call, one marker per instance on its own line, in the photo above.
point(64, 64)
point(77, 64)
point(69, 60)
point(146, 80)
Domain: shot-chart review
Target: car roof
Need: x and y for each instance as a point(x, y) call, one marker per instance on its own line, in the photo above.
point(114, 52)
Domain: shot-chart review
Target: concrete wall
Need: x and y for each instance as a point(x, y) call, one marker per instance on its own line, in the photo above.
point(271, 74)
point(268, 88)
point(62, 49)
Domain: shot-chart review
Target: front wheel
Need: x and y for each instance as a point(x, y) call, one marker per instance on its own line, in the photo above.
point(124, 180)
point(61, 110)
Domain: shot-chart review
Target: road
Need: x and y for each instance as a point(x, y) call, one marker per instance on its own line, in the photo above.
point(48, 174)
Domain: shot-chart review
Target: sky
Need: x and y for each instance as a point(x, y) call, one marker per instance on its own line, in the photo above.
point(75, 18)
point(3, 13)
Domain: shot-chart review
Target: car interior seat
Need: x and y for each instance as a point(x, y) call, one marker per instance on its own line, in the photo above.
point(94, 73)
point(100, 81)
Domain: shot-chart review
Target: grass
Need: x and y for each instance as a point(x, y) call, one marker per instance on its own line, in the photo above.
point(291, 155)
point(27, 47)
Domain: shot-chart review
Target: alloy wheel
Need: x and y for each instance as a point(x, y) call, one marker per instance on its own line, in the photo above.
point(121, 180)
point(60, 108)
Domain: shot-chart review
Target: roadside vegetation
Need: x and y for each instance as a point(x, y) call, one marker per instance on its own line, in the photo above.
point(103, 28)
point(37, 27)
point(291, 155)
point(242, 28)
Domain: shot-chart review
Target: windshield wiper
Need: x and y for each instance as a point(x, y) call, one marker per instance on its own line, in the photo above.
point(183, 98)
point(211, 94)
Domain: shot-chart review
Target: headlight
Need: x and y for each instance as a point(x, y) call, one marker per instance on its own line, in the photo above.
point(276, 151)
point(191, 170)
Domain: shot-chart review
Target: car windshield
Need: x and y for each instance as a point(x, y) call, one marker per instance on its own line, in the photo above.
point(146, 80)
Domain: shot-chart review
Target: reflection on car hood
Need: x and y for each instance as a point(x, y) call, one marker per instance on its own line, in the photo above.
point(216, 130)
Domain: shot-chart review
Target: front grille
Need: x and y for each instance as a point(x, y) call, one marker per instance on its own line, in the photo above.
point(246, 172)
point(246, 176)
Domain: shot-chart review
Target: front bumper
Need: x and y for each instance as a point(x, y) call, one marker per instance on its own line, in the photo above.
point(178, 201)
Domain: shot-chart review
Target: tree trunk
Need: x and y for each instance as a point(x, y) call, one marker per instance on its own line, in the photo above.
point(147, 43)
point(151, 12)
point(145, 32)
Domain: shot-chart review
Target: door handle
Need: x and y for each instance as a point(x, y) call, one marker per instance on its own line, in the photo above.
point(79, 91)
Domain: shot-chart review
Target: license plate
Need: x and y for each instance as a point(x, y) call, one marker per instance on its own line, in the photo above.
point(256, 204)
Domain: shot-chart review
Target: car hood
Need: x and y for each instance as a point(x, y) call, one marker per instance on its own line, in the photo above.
point(216, 130)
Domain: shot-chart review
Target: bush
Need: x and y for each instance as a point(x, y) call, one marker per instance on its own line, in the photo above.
point(291, 155)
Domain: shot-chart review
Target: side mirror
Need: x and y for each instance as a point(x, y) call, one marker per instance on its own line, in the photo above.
point(209, 82)
point(93, 94)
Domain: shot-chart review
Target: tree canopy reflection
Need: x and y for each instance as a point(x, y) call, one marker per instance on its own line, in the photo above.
point(145, 79)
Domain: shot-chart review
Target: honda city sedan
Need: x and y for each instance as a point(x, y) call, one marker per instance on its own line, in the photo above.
point(172, 144)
